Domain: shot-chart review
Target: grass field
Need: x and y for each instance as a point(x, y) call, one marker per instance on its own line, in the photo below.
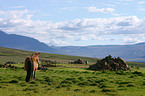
point(68, 79)
point(72, 82)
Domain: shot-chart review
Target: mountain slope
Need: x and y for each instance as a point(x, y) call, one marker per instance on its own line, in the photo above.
point(128, 52)
point(23, 42)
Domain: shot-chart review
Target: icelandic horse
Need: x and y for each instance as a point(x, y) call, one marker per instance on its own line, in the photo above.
point(31, 65)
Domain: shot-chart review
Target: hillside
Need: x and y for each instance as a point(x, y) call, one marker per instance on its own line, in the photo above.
point(24, 43)
point(8, 54)
point(19, 56)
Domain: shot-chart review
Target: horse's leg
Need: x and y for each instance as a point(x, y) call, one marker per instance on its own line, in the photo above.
point(34, 74)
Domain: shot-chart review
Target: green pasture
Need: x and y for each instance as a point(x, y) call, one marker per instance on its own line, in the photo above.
point(68, 79)
point(58, 81)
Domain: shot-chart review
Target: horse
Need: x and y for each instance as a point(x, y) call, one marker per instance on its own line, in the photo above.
point(31, 65)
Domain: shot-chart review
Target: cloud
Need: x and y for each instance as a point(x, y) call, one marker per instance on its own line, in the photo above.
point(69, 8)
point(78, 30)
point(142, 2)
point(131, 40)
point(56, 42)
point(18, 7)
point(125, 0)
point(104, 10)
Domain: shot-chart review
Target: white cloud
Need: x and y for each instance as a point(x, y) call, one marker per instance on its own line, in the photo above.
point(18, 7)
point(142, 2)
point(104, 10)
point(56, 42)
point(125, 0)
point(131, 40)
point(60, 33)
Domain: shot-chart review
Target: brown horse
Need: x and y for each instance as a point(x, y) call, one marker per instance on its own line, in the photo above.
point(31, 65)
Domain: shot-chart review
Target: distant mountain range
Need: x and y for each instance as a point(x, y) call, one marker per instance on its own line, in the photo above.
point(134, 52)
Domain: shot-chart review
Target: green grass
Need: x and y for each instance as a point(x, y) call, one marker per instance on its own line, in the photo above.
point(72, 82)
point(68, 79)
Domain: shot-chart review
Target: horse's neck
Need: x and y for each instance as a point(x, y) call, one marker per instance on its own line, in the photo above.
point(34, 59)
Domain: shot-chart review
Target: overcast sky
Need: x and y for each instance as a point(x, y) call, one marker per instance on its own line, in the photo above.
point(75, 22)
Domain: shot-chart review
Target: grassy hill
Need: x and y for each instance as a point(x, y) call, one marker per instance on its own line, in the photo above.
point(19, 56)
point(8, 54)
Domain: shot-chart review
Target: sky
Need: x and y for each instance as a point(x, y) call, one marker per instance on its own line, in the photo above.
point(75, 22)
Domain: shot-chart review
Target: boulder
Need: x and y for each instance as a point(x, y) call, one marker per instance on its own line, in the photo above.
point(79, 61)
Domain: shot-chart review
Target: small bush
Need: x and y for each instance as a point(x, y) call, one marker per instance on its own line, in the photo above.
point(84, 83)
point(94, 84)
point(76, 90)
point(120, 73)
point(93, 91)
point(14, 81)
point(49, 80)
point(82, 79)
point(102, 86)
point(33, 82)
point(138, 73)
point(108, 90)
point(132, 76)
point(74, 80)
point(66, 82)
point(59, 86)
point(130, 85)
point(66, 85)
point(144, 83)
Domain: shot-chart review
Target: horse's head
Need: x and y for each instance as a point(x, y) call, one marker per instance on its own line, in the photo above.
point(36, 56)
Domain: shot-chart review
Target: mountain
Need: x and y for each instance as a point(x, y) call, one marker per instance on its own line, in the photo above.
point(134, 52)
point(24, 43)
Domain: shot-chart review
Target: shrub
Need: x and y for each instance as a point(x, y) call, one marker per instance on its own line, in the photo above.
point(66, 82)
point(84, 83)
point(33, 82)
point(82, 79)
point(74, 80)
point(130, 85)
point(93, 91)
point(108, 90)
point(14, 81)
point(138, 73)
point(77, 90)
point(66, 85)
point(102, 85)
point(144, 83)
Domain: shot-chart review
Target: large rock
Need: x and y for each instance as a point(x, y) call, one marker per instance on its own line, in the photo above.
point(79, 61)
point(109, 63)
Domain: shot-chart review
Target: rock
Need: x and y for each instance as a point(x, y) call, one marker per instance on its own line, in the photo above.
point(109, 63)
point(79, 61)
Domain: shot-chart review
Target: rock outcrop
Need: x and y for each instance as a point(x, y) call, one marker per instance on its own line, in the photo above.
point(109, 63)
point(79, 61)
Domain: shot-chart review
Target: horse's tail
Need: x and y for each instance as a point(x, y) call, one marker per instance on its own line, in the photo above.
point(29, 70)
